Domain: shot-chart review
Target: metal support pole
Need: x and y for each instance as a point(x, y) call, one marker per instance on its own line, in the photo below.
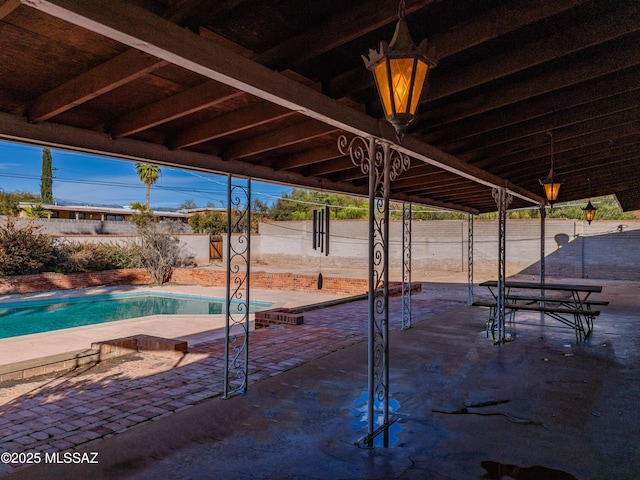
point(503, 199)
point(406, 266)
point(470, 258)
point(382, 163)
point(236, 340)
point(543, 216)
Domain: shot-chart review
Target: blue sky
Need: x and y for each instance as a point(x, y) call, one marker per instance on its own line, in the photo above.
point(95, 180)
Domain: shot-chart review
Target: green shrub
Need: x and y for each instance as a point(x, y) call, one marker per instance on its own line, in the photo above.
point(23, 249)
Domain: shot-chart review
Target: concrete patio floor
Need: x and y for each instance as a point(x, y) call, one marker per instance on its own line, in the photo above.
point(538, 407)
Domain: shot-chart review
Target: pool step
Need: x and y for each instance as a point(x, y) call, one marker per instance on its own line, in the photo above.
point(167, 347)
point(52, 363)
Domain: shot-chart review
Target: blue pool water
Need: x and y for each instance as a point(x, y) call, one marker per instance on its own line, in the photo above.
point(24, 318)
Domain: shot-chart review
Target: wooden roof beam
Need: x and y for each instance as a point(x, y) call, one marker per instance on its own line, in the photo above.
point(228, 123)
point(198, 98)
point(583, 134)
point(332, 167)
point(141, 29)
point(551, 122)
point(428, 178)
point(8, 6)
point(623, 56)
point(456, 187)
point(622, 21)
point(488, 27)
point(309, 157)
point(312, 43)
point(589, 91)
point(298, 133)
point(18, 129)
point(589, 156)
point(108, 76)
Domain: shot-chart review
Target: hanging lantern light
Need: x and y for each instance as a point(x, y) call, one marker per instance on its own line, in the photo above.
point(589, 210)
point(551, 184)
point(400, 70)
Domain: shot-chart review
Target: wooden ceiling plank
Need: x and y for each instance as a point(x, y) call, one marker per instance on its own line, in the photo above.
point(597, 169)
point(272, 140)
point(592, 155)
point(423, 171)
point(622, 21)
point(108, 76)
point(582, 134)
point(198, 98)
point(483, 29)
point(7, 7)
point(582, 94)
point(228, 123)
point(141, 29)
point(455, 188)
point(362, 19)
point(507, 18)
point(204, 12)
point(551, 122)
point(308, 157)
point(330, 167)
point(423, 180)
point(626, 56)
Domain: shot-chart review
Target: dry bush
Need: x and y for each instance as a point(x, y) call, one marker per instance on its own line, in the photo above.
point(90, 257)
point(23, 249)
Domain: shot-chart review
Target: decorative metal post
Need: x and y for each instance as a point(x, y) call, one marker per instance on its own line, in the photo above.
point(503, 200)
point(406, 266)
point(470, 258)
point(236, 340)
point(382, 162)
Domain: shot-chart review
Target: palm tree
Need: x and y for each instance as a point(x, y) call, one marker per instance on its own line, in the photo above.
point(149, 175)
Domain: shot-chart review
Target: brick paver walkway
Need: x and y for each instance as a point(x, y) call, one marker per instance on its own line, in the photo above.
point(79, 407)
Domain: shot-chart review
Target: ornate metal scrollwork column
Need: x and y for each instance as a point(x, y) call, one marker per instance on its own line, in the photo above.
point(503, 200)
point(406, 266)
point(236, 340)
point(382, 162)
point(470, 258)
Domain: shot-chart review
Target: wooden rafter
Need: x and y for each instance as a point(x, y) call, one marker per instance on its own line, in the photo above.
point(108, 76)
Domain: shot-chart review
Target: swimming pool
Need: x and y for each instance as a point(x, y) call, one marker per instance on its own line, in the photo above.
point(37, 316)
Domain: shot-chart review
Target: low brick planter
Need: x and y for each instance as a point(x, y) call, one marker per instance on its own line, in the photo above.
point(294, 316)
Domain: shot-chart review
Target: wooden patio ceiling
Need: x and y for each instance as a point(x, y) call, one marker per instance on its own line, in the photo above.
point(265, 88)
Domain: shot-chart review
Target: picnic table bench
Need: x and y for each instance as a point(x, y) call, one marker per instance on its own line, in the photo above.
point(569, 304)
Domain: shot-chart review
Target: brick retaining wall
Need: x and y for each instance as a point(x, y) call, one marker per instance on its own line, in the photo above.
point(54, 281)
point(276, 281)
point(185, 276)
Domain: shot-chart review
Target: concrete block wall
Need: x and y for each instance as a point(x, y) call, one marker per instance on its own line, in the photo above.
point(193, 244)
point(575, 249)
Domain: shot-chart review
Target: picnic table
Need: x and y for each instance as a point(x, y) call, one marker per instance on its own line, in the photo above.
point(570, 304)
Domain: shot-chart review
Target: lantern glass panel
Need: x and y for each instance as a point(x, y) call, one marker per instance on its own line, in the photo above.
point(551, 190)
point(401, 72)
point(421, 75)
point(384, 90)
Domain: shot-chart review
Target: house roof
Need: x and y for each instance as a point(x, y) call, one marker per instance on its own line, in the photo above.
point(101, 209)
point(264, 89)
